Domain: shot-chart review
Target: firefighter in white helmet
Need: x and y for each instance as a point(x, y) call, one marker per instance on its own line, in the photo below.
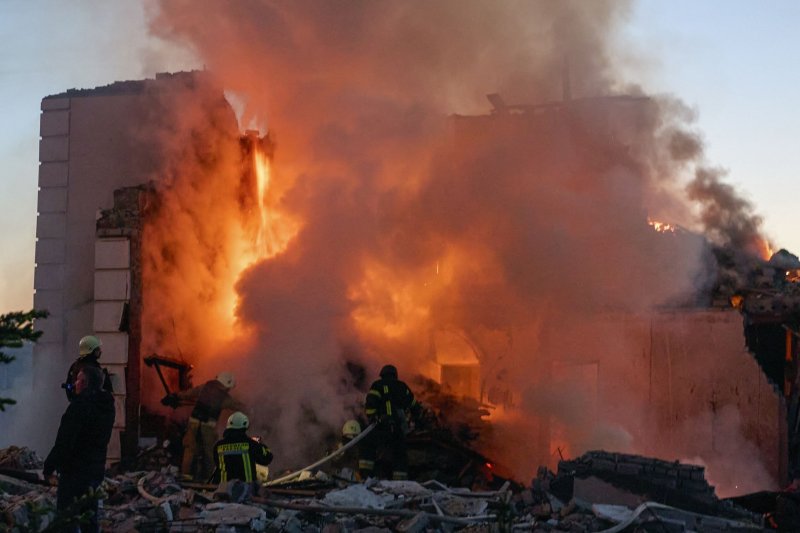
point(237, 455)
point(210, 399)
point(89, 351)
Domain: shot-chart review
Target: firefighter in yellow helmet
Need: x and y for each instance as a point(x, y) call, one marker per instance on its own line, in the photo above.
point(89, 351)
point(210, 399)
point(346, 464)
point(389, 404)
point(237, 454)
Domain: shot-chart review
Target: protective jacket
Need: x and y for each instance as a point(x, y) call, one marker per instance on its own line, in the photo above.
point(76, 367)
point(236, 456)
point(211, 398)
point(388, 402)
point(82, 440)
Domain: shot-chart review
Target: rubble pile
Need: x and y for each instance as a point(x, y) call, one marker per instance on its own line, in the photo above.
point(599, 491)
point(461, 417)
point(16, 458)
point(628, 479)
point(442, 445)
point(760, 288)
point(151, 458)
point(25, 504)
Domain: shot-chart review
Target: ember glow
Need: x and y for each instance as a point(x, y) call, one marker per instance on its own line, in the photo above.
point(399, 215)
point(661, 227)
point(276, 229)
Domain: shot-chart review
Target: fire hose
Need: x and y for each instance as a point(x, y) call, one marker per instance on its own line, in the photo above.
point(325, 459)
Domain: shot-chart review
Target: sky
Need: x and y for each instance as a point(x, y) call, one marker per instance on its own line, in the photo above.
point(732, 62)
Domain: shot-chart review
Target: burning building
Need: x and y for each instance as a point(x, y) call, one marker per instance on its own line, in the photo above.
point(515, 265)
point(94, 144)
point(508, 252)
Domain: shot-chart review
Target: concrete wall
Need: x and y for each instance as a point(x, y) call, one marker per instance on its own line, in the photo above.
point(92, 143)
point(684, 385)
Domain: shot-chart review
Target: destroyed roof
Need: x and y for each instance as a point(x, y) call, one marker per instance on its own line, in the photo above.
point(162, 80)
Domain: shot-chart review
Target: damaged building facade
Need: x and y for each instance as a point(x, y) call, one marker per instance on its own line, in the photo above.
point(101, 159)
point(101, 150)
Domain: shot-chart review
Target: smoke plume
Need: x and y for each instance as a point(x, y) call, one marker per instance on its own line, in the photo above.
point(410, 219)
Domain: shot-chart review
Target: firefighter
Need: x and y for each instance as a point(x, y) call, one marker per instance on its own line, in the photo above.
point(210, 399)
point(89, 351)
point(237, 454)
point(79, 453)
point(389, 403)
point(346, 464)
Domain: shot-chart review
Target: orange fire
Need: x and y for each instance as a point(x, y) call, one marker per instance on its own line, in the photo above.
point(763, 248)
point(661, 227)
point(213, 224)
point(275, 232)
point(276, 229)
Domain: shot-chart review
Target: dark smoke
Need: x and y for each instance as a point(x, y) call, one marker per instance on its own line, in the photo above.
point(413, 222)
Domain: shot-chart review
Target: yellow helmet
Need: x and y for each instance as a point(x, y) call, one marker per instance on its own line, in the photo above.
point(88, 344)
point(238, 420)
point(351, 429)
point(227, 379)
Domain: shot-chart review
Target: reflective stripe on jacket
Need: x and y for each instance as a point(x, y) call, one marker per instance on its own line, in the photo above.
point(389, 398)
point(236, 456)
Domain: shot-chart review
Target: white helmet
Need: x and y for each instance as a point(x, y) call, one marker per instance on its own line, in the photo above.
point(238, 420)
point(88, 344)
point(227, 379)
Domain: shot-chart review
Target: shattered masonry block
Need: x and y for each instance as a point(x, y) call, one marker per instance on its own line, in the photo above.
point(629, 469)
point(698, 475)
point(671, 483)
point(602, 464)
point(527, 497)
point(415, 524)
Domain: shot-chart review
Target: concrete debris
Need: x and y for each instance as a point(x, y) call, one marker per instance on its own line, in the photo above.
point(154, 501)
point(16, 458)
point(233, 514)
point(356, 496)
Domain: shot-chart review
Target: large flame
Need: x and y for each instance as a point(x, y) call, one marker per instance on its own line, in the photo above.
point(385, 229)
point(272, 236)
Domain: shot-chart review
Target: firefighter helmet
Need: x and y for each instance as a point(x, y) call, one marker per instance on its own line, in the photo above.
point(389, 372)
point(227, 379)
point(351, 429)
point(238, 420)
point(88, 344)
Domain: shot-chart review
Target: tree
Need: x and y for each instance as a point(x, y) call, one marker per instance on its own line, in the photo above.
point(15, 328)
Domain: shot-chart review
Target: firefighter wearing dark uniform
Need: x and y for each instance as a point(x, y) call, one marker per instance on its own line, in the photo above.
point(210, 399)
point(388, 404)
point(237, 454)
point(89, 351)
point(79, 454)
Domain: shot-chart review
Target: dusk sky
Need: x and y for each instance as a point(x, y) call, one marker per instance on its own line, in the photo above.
point(733, 62)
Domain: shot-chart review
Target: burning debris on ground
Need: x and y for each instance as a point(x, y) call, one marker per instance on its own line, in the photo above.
point(503, 255)
point(637, 497)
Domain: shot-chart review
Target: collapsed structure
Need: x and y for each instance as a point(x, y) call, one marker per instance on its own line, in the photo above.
point(106, 159)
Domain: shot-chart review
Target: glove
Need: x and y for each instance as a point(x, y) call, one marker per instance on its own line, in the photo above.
point(171, 400)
